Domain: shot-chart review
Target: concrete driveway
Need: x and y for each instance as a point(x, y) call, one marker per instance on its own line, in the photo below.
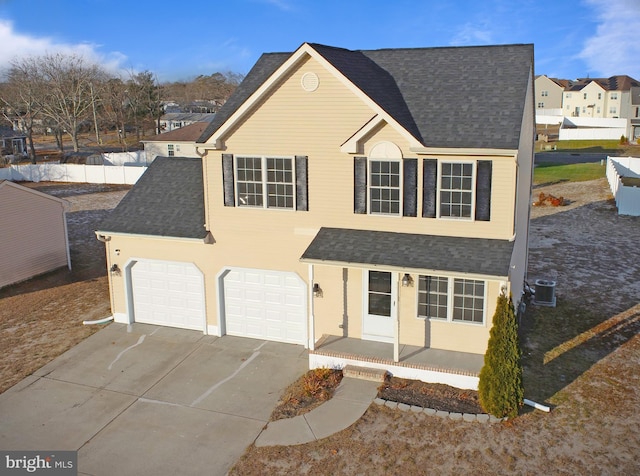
point(150, 400)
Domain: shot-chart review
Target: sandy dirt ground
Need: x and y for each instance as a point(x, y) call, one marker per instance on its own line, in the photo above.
point(581, 358)
point(41, 318)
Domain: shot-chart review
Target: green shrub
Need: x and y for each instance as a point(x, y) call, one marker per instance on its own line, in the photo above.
point(500, 389)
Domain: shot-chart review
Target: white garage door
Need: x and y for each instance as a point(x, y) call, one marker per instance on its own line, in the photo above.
point(168, 293)
point(265, 304)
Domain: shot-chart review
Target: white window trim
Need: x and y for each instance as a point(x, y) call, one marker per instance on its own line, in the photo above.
point(449, 319)
point(400, 188)
point(263, 167)
point(473, 189)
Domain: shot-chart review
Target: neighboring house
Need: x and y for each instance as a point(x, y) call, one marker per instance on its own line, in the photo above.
point(33, 234)
point(177, 143)
point(635, 113)
point(12, 142)
point(176, 120)
point(548, 93)
point(348, 202)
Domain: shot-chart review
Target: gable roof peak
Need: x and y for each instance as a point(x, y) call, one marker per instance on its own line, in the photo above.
point(434, 94)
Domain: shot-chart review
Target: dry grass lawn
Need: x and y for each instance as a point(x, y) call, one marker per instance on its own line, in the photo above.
point(582, 357)
point(42, 318)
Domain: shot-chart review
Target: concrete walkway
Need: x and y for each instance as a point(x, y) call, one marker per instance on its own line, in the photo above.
point(351, 400)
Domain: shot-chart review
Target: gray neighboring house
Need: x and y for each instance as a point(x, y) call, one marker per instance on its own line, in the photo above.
point(12, 142)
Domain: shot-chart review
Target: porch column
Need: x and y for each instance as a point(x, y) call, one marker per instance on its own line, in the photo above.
point(396, 322)
point(312, 326)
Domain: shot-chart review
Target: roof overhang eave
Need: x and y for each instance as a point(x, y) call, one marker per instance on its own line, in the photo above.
point(405, 269)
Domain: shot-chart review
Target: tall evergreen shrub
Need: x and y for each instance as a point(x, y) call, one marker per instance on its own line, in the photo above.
point(500, 388)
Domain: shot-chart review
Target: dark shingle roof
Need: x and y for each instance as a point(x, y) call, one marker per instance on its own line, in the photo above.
point(445, 97)
point(411, 251)
point(183, 134)
point(168, 200)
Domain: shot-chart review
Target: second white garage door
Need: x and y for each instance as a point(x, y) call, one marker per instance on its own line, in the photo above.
point(168, 293)
point(264, 304)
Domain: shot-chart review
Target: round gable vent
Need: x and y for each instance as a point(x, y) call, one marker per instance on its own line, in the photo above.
point(310, 81)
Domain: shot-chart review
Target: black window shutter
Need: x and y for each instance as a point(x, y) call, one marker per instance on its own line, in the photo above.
point(483, 190)
point(302, 183)
point(360, 185)
point(227, 180)
point(410, 187)
point(429, 187)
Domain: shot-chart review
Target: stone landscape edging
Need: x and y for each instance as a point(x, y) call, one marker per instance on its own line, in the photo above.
point(479, 417)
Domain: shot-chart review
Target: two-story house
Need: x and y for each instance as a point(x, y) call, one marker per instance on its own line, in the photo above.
point(350, 202)
point(600, 97)
point(549, 93)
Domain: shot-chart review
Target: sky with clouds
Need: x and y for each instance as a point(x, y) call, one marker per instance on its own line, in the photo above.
point(180, 40)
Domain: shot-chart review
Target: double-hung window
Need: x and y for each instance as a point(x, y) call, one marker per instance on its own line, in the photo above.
point(456, 190)
point(451, 299)
point(432, 297)
point(170, 150)
point(384, 187)
point(266, 182)
point(468, 300)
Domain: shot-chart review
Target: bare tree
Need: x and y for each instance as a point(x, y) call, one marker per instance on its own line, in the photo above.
point(20, 98)
point(67, 97)
point(114, 108)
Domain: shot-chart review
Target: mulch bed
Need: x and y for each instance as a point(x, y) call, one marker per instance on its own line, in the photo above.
point(430, 395)
point(309, 391)
point(316, 387)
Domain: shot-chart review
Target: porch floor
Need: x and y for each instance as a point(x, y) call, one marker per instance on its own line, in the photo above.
point(416, 357)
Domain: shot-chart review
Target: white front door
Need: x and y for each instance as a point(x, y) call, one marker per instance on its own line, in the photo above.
point(380, 299)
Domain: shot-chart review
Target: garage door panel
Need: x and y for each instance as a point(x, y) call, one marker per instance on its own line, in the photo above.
point(168, 293)
point(265, 304)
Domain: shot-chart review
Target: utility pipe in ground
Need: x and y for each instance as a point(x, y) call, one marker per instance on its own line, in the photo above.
point(98, 321)
point(537, 406)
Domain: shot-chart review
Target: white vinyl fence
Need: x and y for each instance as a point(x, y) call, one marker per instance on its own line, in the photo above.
point(627, 197)
point(136, 157)
point(73, 173)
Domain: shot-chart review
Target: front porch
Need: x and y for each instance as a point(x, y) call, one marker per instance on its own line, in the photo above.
point(458, 369)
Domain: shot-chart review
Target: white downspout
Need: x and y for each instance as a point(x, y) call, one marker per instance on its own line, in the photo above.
point(312, 339)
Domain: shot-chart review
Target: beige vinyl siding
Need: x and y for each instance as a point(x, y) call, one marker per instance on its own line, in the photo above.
point(320, 115)
point(281, 125)
point(131, 248)
point(329, 313)
point(32, 234)
point(519, 263)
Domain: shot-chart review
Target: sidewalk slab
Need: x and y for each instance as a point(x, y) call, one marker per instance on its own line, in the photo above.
point(350, 401)
point(357, 390)
point(334, 416)
point(286, 432)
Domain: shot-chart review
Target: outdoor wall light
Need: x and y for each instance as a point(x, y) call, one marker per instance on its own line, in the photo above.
point(407, 280)
point(114, 269)
point(118, 252)
point(317, 290)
